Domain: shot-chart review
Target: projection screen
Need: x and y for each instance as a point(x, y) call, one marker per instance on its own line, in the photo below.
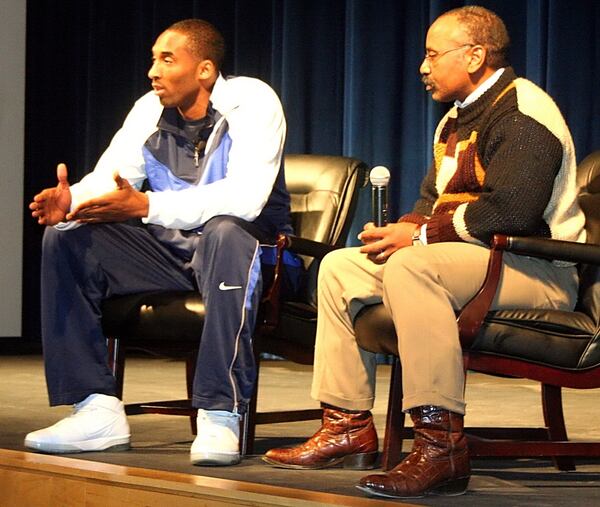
point(12, 119)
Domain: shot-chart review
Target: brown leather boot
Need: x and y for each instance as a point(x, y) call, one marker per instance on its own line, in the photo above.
point(346, 438)
point(437, 465)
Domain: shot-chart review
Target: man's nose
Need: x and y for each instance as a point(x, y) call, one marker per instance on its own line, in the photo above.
point(153, 71)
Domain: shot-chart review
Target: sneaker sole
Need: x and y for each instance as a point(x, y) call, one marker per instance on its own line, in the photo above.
point(214, 459)
point(113, 444)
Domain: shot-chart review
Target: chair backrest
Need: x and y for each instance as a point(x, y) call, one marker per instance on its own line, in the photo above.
point(588, 179)
point(324, 192)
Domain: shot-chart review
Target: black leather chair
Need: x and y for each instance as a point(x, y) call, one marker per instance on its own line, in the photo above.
point(323, 191)
point(556, 348)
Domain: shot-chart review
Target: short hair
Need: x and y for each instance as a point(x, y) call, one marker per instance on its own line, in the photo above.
point(204, 41)
point(487, 29)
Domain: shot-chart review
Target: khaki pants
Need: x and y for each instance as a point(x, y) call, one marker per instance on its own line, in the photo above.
point(422, 286)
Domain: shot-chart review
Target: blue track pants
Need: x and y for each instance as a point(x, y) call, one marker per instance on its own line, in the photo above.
point(83, 266)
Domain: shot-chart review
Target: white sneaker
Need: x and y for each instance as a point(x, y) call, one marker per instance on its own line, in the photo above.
point(96, 424)
point(218, 439)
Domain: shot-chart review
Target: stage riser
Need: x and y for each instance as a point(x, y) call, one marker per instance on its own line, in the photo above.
point(37, 480)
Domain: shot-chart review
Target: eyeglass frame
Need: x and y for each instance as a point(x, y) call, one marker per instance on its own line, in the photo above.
point(432, 58)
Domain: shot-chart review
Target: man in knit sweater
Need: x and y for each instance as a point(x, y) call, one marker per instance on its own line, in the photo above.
point(503, 163)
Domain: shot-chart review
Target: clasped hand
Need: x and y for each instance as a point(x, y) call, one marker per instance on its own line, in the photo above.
point(381, 242)
point(117, 206)
point(51, 205)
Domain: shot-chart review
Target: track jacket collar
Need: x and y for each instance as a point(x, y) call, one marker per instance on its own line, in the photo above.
point(222, 101)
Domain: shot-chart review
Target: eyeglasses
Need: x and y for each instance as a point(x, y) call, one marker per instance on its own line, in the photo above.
point(431, 56)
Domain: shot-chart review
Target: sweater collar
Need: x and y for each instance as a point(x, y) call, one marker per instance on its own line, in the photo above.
point(480, 90)
point(474, 109)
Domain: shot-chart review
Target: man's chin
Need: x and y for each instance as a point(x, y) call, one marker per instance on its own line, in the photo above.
point(440, 97)
point(434, 93)
point(165, 100)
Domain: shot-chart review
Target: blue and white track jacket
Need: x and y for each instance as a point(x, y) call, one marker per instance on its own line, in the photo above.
point(241, 173)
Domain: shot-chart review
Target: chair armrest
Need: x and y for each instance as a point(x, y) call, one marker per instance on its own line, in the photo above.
point(304, 246)
point(547, 248)
point(473, 313)
point(270, 304)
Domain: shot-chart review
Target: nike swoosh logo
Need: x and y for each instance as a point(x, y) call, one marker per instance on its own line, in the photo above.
point(222, 286)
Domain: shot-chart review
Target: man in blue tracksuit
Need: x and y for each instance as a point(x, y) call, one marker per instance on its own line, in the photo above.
point(210, 151)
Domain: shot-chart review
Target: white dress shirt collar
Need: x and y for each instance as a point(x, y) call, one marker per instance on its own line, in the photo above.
point(480, 90)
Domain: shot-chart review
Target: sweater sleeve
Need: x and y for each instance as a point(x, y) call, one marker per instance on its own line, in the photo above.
point(423, 207)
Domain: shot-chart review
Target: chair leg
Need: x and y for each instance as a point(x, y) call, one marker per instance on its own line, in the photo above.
point(555, 422)
point(190, 371)
point(249, 425)
point(116, 363)
point(394, 425)
point(248, 429)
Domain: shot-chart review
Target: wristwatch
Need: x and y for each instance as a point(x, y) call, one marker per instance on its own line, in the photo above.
point(416, 236)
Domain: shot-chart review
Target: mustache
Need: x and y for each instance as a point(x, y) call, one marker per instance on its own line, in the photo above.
point(426, 81)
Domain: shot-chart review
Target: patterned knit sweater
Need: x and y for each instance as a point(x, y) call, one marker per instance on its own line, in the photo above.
point(504, 164)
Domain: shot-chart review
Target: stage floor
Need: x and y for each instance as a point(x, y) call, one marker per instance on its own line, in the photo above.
point(162, 442)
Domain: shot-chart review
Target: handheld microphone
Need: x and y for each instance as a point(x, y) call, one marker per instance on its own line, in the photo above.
point(379, 178)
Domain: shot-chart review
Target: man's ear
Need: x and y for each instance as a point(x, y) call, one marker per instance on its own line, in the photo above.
point(206, 69)
point(478, 59)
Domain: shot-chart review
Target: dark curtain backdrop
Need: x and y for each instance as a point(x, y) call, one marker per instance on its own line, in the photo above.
point(347, 73)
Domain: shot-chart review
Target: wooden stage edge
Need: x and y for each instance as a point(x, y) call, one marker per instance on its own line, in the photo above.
point(42, 480)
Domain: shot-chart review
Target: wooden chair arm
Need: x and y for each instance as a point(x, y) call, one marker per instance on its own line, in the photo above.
point(472, 314)
point(271, 301)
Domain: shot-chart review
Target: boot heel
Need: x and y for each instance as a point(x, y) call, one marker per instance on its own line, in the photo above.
point(453, 488)
point(362, 461)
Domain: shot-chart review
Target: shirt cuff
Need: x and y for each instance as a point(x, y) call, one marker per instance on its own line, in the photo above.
point(423, 234)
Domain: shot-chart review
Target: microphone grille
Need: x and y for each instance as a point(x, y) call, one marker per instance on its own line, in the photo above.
point(379, 176)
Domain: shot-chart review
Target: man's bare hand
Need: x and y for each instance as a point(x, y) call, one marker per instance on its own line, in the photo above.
point(51, 205)
point(381, 242)
point(117, 206)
